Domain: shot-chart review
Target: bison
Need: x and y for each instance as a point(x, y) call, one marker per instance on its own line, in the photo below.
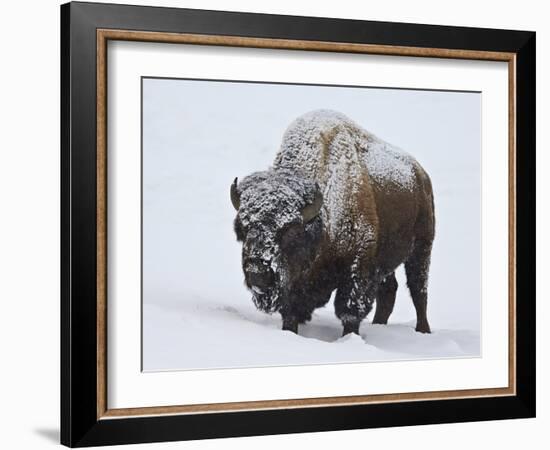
point(340, 209)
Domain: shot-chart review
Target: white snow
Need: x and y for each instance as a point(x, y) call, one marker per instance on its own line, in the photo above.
point(210, 335)
point(301, 146)
point(386, 162)
point(198, 136)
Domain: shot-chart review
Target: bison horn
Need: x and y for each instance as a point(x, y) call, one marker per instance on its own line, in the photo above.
point(310, 211)
point(235, 197)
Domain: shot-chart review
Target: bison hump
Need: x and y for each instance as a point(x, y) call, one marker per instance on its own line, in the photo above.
point(323, 142)
point(387, 164)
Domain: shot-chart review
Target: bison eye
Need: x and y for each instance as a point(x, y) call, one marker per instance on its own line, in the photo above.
point(291, 235)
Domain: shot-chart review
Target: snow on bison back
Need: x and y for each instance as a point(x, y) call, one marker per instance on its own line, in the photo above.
point(340, 209)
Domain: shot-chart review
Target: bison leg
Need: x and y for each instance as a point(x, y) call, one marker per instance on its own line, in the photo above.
point(354, 299)
point(290, 323)
point(385, 299)
point(298, 310)
point(417, 268)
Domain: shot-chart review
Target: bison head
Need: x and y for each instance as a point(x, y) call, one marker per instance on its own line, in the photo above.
point(279, 225)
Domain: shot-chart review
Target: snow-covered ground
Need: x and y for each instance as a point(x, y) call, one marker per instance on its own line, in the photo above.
point(198, 136)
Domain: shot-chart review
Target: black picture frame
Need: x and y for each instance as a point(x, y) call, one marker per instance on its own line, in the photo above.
point(80, 425)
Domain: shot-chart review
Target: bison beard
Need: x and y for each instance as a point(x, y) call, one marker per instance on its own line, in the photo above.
point(339, 210)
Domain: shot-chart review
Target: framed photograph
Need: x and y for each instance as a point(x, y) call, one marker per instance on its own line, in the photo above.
point(277, 224)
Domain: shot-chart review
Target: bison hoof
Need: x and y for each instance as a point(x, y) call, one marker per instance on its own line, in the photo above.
point(423, 328)
point(351, 327)
point(378, 321)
